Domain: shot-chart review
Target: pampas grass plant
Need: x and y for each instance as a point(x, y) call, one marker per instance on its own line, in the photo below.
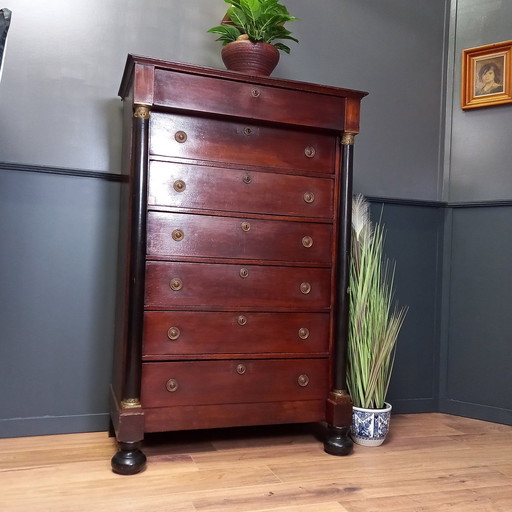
point(374, 321)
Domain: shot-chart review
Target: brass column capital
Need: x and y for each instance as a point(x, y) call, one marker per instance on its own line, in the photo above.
point(141, 111)
point(347, 139)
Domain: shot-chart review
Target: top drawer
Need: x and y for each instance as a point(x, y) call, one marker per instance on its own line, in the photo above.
point(240, 99)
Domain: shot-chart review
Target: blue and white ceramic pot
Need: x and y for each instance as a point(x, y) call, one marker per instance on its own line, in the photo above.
point(370, 426)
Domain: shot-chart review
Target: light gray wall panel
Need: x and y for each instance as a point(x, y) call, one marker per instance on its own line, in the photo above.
point(65, 59)
point(481, 152)
point(57, 265)
point(63, 67)
point(394, 50)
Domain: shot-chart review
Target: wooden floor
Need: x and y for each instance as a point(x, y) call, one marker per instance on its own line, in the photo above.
point(431, 462)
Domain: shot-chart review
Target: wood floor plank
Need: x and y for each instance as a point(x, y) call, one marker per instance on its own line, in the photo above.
point(431, 462)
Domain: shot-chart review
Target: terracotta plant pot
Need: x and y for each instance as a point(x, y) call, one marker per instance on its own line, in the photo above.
point(251, 58)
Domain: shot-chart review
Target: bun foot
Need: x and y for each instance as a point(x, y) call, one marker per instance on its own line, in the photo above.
point(338, 441)
point(129, 460)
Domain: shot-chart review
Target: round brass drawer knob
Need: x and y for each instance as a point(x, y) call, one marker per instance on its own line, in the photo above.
point(246, 226)
point(180, 136)
point(241, 369)
point(247, 179)
point(173, 333)
point(179, 186)
point(172, 385)
point(303, 333)
point(242, 320)
point(309, 197)
point(309, 151)
point(255, 93)
point(305, 288)
point(303, 380)
point(307, 242)
point(244, 273)
point(178, 235)
point(176, 284)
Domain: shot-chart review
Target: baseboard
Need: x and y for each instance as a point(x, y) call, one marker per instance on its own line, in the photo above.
point(476, 411)
point(50, 425)
point(413, 405)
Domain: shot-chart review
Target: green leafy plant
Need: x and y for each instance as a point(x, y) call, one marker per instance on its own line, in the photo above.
point(256, 21)
point(374, 323)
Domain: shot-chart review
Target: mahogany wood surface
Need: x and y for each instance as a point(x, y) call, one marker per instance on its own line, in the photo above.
point(234, 190)
point(209, 334)
point(232, 208)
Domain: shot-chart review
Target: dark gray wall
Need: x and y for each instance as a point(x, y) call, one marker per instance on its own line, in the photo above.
point(476, 357)
point(414, 239)
point(59, 110)
point(58, 253)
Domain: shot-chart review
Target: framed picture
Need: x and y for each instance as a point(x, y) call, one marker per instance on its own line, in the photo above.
point(487, 75)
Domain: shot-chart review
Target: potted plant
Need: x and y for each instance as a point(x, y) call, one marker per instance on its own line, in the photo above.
point(251, 34)
point(374, 324)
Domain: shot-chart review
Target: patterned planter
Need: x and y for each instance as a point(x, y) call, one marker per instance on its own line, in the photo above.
point(370, 426)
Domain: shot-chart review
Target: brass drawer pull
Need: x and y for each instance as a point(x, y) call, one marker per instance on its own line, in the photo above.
point(248, 131)
point(309, 197)
point(180, 137)
point(303, 333)
point(244, 273)
point(305, 288)
point(303, 380)
point(246, 226)
point(255, 93)
point(173, 333)
point(176, 284)
point(309, 151)
point(172, 385)
point(179, 186)
point(307, 242)
point(242, 320)
point(241, 369)
point(247, 179)
point(178, 235)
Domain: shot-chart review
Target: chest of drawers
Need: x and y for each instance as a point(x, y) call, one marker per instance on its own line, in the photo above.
point(232, 304)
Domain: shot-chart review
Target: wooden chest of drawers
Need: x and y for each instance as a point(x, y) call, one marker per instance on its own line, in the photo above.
point(233, 257)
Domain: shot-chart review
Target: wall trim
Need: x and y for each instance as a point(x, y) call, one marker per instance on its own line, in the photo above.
point(52, 425)
point(63, 171)
point(110, 176)
point(440, 204)
point(475, 411)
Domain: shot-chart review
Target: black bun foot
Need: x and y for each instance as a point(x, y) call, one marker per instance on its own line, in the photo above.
point(129, 460)
point(338, 441)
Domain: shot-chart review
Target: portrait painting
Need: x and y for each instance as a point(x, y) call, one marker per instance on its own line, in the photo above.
point(487, 75)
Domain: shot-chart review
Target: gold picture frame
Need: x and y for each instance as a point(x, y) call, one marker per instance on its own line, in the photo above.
point(487, 75)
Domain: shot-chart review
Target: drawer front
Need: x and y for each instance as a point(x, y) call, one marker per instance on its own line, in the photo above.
point(178, 284)
point(179, 333)
point(226, 97)
point(234, 381)
point(180, 235)
point(211, 188)
point(218, 140)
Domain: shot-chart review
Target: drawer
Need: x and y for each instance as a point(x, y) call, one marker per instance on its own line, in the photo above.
point(217, 140)
point(233, 98)
point(212, 188)
point(206, 285)
point(179, 235)
point(179, 333)
point(181, 383)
